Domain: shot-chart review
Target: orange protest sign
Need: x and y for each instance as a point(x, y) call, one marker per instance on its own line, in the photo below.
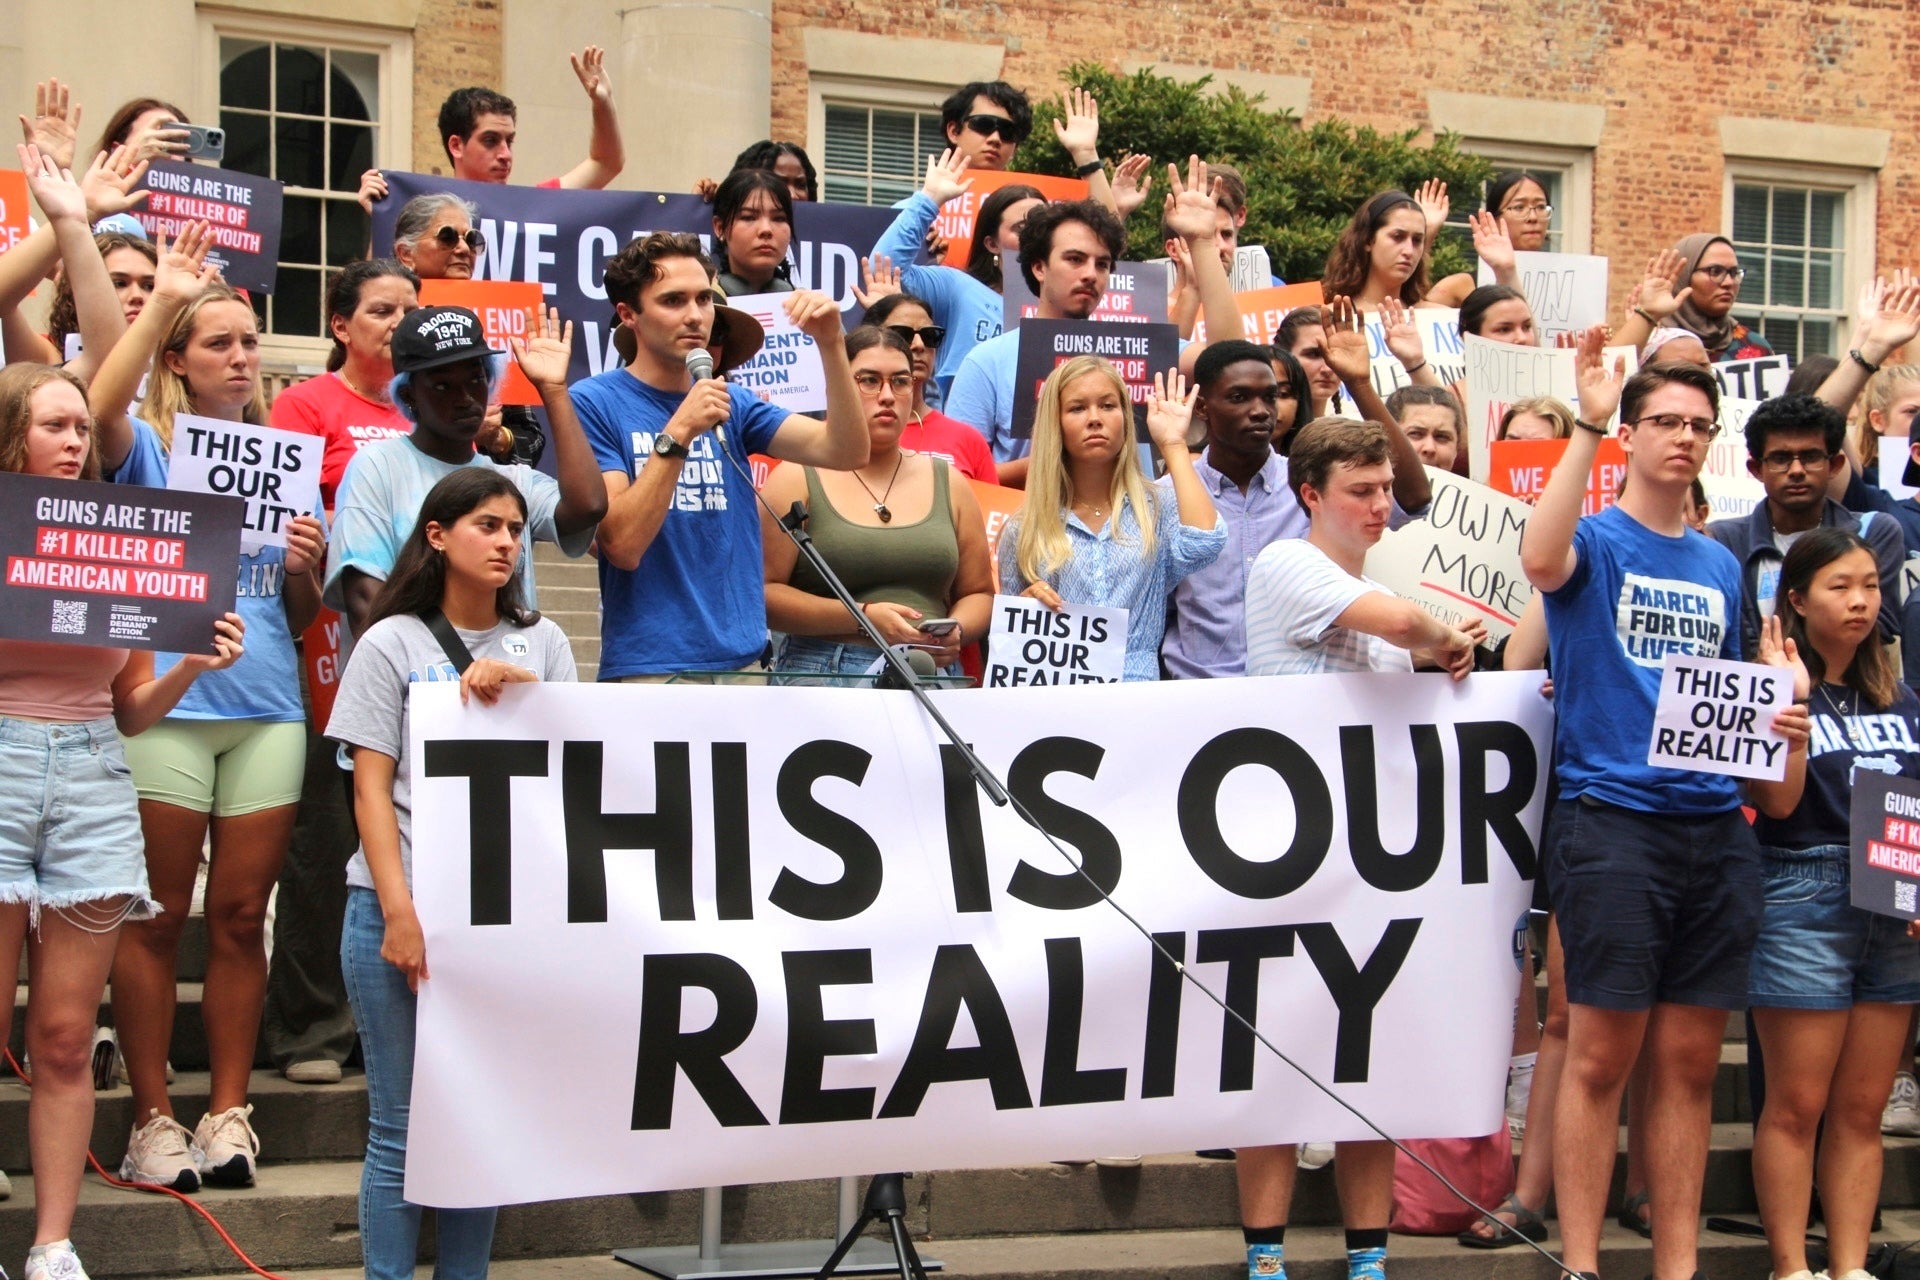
point(1262, 310)
point(13, 208)
point(502, 306)
point(320, 651)
point(997, 502)
point(956, 215)
point(1520, 468)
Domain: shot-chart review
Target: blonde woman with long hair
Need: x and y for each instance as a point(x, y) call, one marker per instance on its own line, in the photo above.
point(1094, 529)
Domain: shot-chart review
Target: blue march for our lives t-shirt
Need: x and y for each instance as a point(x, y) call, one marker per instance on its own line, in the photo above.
point(265, 683)
point(1635, 597)
point(698, 601)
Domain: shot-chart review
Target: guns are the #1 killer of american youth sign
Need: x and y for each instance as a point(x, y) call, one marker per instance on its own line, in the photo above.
point(115, 565)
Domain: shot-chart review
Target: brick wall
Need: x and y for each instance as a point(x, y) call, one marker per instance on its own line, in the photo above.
point(1665, 70)
point(457, 43)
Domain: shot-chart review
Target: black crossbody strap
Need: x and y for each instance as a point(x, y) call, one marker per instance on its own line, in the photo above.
point(450, 641)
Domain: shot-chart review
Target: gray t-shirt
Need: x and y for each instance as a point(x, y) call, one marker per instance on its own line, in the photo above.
point(371, 707)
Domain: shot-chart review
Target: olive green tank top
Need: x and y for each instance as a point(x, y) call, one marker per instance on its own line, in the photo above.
point(910, 564)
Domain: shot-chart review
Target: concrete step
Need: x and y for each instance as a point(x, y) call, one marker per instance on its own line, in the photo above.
point(304, 1215)
point(551, 567)
point(564, 601)
point(295, 1121)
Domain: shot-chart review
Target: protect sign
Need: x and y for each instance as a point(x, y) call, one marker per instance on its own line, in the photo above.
point(1716, 716)
point(276, 473)
point(115, 565)
point(1032, 644)
point(763, 934)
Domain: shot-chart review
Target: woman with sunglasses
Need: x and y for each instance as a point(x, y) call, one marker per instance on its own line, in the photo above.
point(928, 430)
point(434, 237)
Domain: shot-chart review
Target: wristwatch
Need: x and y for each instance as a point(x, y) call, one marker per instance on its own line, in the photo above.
point(665, 446)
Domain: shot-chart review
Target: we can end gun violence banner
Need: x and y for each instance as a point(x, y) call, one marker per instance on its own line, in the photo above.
point(768, 934)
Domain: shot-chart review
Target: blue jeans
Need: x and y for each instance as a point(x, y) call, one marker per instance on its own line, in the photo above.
point(383, 1008)
point(1816, 950)
point(797, 660)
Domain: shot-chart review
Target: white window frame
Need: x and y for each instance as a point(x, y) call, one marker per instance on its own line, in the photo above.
point(393, 135)
point(863, 94)
point(1860, 188)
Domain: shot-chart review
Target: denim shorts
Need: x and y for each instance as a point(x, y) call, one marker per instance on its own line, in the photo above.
point(801, 660)
point(1817, 950)
point(1654, 908)
point(69, 819)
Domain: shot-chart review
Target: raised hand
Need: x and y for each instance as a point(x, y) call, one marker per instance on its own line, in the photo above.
point(1078, 125)
point(1189, 204)
point(879, 278)
point(55, 122)
point(1657, 296)
point(112, 183)
point(164, 141)
point(1895, 320)
point(182, 273)
point(53, 187)
point(1491, 241)
point(1777, 649)
point(1170, 411)
point(1433, 202)
point(373, 186)
point(1403, 335)
point(1599, 386)
point(946, 176)
point(1132, 180)
point(590, 65)
point(1347, 352)
point(816, 315)
point(547, 350)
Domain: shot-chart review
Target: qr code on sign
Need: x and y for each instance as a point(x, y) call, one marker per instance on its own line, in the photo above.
point(69, 617)
point(1903, 896)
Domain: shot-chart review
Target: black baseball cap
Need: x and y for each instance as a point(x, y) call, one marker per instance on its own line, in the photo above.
point(434, 336)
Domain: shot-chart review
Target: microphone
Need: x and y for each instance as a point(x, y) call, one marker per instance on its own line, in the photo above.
point(700, 366)
point(918, 659)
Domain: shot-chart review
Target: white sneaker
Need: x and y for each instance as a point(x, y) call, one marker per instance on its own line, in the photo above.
point(1855, 1274)
point(313, 1071)
point(225, 1146)
point(6, 1193)
point(1117, 1162)
point(1316, 1155)
point(56, 1261)
point(1902, 1116)
point(1802, 1274)
point(160, 1154)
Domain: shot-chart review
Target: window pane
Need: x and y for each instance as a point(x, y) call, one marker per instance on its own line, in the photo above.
point(299, 80)
point(243, 73)
point(355, 85)
point(246, 143)
point(846, 148)
point(893, 139)
point(347, 232)
point(1826, 230)
point(1823, 281)
point(300, 230)
point(1817, 337)
point(297, 152)
point(352, 156)
point(1753, 289)
point(296, 302)
point(843, 191)
point(1750, 215)
point(1791, 239)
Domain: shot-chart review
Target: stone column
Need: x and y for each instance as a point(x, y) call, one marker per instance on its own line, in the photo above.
point(696, 85)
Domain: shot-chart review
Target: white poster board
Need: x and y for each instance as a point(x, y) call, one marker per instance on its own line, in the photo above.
point(1716, 716)
point(672, 902)
point(1567, 292)
point(276, 472)
point(1462, 562)
point(1032, 644)
point(786, 371)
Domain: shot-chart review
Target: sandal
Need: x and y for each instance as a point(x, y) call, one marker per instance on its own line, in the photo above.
point(1528, 1224)
point(1635, 1215)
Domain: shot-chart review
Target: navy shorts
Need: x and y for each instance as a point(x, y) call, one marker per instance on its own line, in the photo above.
point(1654, 908)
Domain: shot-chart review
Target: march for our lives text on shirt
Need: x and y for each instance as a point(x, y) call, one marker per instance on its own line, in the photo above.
point(1661, 616)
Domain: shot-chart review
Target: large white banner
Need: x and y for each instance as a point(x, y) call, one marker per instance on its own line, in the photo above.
point(685, 936)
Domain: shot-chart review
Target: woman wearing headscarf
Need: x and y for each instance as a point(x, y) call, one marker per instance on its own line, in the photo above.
point(1708, 286)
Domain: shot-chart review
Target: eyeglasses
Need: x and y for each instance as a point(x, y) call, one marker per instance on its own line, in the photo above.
point(1782, 460)
point(448, 238)
point(1717, 273)
point(933, 335)
point(870, 383)
point(987, 126)
point(1671, 423)
point(1529, 209)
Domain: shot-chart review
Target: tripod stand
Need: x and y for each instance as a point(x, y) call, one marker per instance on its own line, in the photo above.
point(887, 1202)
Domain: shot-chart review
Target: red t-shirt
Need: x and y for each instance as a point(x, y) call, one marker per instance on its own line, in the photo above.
point(327, 407)
point(952, 441)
